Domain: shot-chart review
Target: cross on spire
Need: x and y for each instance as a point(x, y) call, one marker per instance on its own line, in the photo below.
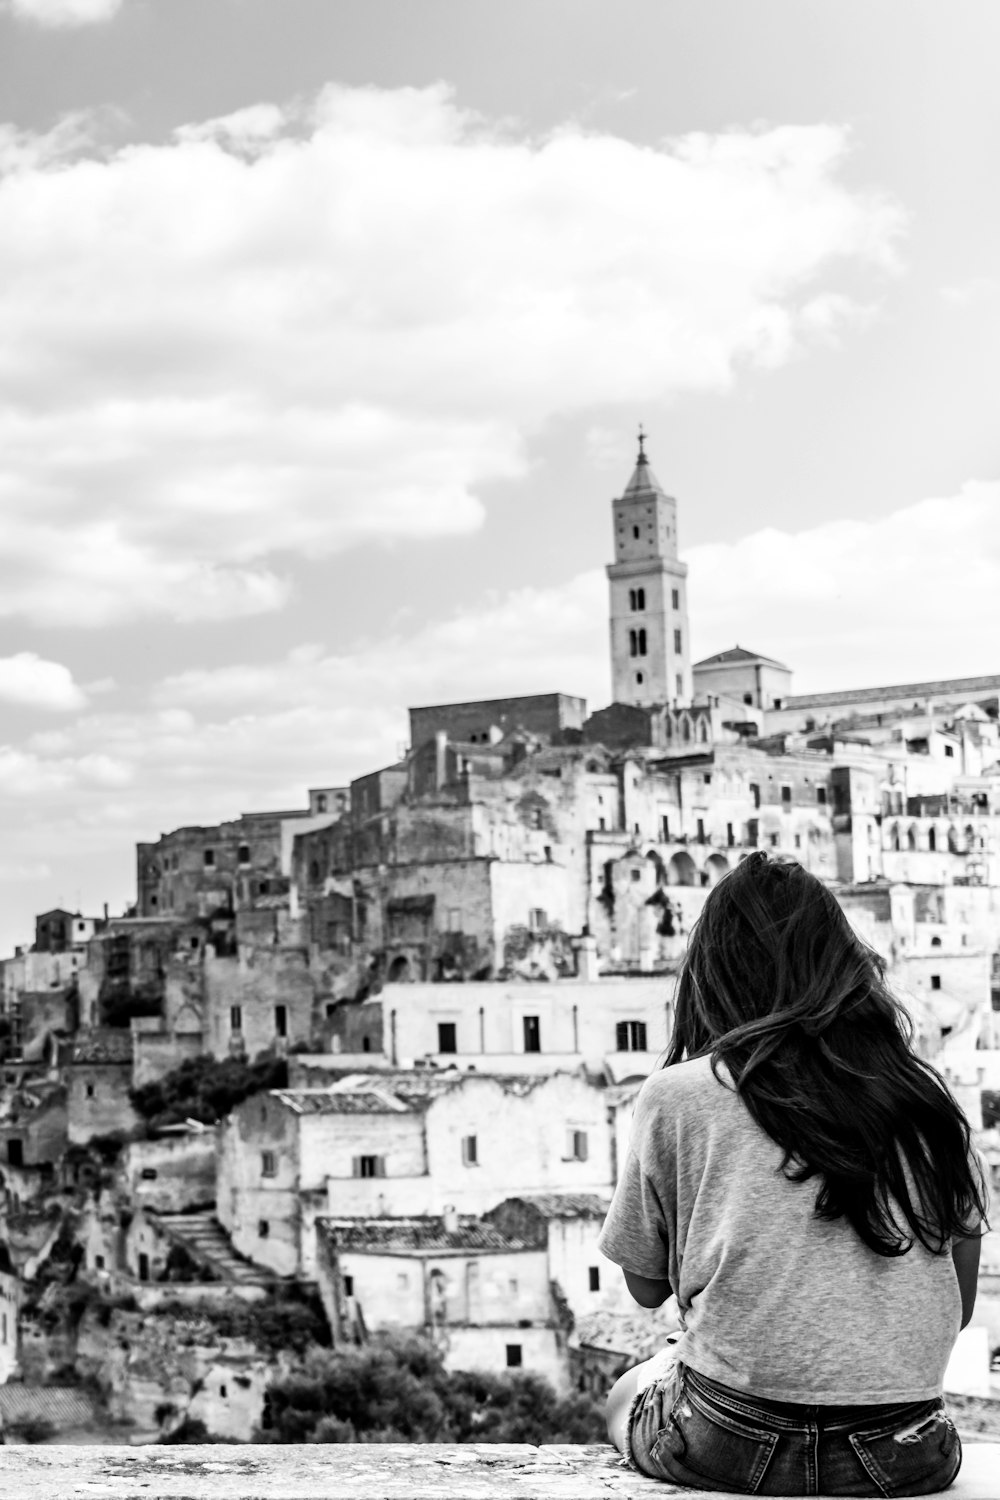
point(642, 459)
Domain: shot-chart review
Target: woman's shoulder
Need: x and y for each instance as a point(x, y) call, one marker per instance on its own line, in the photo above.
point(686, 1084)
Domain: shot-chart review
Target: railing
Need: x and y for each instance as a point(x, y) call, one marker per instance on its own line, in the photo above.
point(390, 1471)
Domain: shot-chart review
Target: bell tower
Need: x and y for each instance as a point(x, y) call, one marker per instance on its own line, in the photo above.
point(650, 646)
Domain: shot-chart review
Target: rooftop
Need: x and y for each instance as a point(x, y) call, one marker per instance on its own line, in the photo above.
point(425, 1234)
point(564, 1205)
point(738, 655)
point(336, 1101)
point(381, 1471)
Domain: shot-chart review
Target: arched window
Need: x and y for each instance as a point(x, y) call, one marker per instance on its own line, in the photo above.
point(894, 836)
point(640, 598)
point(911, 837)
point(932, 839)
point(633, 643)
point(642, 643)
point(631, 599)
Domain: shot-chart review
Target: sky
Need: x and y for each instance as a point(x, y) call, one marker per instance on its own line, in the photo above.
point(326, 328)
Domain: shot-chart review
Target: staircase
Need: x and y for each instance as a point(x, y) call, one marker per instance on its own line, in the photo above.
point(206, 1241)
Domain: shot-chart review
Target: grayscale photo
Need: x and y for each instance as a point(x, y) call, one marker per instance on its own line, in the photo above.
point(500, 750)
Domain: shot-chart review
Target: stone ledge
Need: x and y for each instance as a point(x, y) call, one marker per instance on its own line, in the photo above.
point(391, 1471)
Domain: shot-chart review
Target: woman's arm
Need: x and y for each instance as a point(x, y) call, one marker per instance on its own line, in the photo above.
point(965, 1254)
point(649, 1292)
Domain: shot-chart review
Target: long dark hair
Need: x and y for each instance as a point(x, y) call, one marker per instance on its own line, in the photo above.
point(778, 986)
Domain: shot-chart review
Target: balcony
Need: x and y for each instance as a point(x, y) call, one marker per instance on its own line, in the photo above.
point(389, 1471)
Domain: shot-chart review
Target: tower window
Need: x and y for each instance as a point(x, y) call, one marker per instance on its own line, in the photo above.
point(675, 598)
point(677, 640)
point(640, 598)
point(635, 532)
point(639, 678)
point(642, 643)
point(633, 643)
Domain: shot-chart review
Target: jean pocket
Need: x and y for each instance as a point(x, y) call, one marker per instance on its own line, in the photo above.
point(708, 1448)
point(919, 1457)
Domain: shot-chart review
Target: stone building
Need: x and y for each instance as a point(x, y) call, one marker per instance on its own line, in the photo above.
point(401, 1143)
point(97, 1068)
point(650, 640)
point(611, 1025)
point(569, 1225)
point(481, 1295)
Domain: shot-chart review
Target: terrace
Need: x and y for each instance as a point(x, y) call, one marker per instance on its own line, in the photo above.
point(515, 1471)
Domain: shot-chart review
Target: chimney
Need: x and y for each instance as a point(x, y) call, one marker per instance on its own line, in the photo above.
point(449, 1218)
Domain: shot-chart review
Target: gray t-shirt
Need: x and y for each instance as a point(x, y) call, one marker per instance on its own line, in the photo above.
point(772, 1300)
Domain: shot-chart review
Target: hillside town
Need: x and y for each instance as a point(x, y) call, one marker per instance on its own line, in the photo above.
point(370, 1062)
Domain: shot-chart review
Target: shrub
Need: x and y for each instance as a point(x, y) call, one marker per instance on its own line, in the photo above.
point(396, 1390)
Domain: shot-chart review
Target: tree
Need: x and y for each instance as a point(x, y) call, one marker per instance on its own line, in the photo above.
point(396, 1390)
point(206, 1089)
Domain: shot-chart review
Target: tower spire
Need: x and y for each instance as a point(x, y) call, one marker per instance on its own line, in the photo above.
point(642, 459)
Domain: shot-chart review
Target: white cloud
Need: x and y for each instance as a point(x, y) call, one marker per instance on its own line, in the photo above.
point(972, 293)
point(64, 12)
point(293, 330)
point(29, 679)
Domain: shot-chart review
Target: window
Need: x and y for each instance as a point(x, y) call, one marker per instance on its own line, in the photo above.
point(786, 798)
point(675, 598)
point(263, 1229)
point(701, 830)
point(143, 1266)
point(755, 794)
point(932, 839)
point(236, 1018)
point(532, 1034)
point(90, 1091)
point(677, 640)
point(348, 1286)
point(576, 1145)
point(664, 828)
point(633, 643)
point(281, 1020)
point(642, 643)
point(368, 1166)
point(679, 685)
point(730, 835)
point(821, 796)
point(514, 1360)
point(243, 854)
point(321, 802)
point(447, 1036)
point(268, 1164)
point(98, 1263)
point(223, 1392)
point(635, 536)
point(949, 750)
point(798, 841)
point(594, 1278)
point(314, 869)
point(537, 918)
point(748, 698)
point(935, 981)
point(148, 1174)
point(935, 942)
point(707, 778)
point(777, 703)
point(636, 874)
point(773, 839)
point(630, 1036)
point(15, 1153)
point(194, 943)
point(639, 678)
point(209, 858)
point(470, 1151)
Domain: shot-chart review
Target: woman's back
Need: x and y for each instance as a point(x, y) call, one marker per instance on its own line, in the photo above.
point(774, 1300)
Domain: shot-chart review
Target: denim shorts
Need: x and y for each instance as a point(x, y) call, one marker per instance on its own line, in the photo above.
point(693, 1431)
